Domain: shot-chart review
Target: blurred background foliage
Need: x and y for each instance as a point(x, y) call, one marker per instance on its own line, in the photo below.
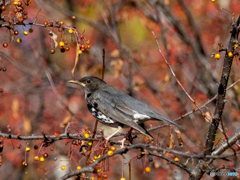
point(123, 28)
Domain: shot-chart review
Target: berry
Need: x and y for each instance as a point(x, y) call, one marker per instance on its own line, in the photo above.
point(213, 0)
point(4, 69)
point(82, 49)
point(67, 48)
point(15, 3)
point(70, 31)
point(176, 159)
point(113, 148)
point(63, 167)
point(82, 46)
point(19, 40)
point(79, 168)
point(79, 52)
point(18, 146)
point(3, 8)
point(45, 155)
point(16, 32)
point(88, 42)
point(51, 149)
point(10, 21)
point(30, 30)
point(86, 135)
point(148, 169)
point(62, 50)
point(73, 17)
point(5, 44)
point(52, 51)
point(45, 23)
point(217, 56)
point(28, 149)
point(20, 21)
point(61, 43)
point(122, 178)
point(110, 153)
point(99, 170)
point(25, 13)
point(36, 158)
point(25, 33)
point(230, 54)
point(15, 10)
point(90, 143)
point(81, 36)
point(61, 22)
point(50, 24)
point(11, 26)
point(25, 17)
point(95, 157)
point(35, 147)
point(19, 3)
point(88, 47)
point(236, 45)
point(25, 164)
point(41, 159)
point(105, 176)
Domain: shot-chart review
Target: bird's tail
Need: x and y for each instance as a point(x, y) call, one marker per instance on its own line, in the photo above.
point(159, 117)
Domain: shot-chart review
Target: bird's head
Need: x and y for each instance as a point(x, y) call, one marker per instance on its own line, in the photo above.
point(89, 83)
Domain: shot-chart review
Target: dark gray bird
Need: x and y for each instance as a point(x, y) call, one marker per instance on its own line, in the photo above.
point(115, 108)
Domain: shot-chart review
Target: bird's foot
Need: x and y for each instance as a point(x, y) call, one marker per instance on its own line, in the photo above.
point(122, 141)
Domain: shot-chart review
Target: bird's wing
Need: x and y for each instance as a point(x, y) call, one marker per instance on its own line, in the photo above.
point(111, 107)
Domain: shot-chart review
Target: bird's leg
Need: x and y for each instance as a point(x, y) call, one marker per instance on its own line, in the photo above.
point(115, 132)
point(122, 141)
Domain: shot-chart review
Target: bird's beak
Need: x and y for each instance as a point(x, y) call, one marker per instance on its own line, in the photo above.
point(77, 82)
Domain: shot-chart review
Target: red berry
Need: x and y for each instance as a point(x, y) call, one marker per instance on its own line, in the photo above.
point(35, 147)
point(73, 17)
point(15, 10)
point(51, 149)
point(67, 48)
point(5, 44)
point(25, 13)
point(19, 146)
point(52, 51)
point(45, 23)
point(16, 32)
point(3, 8)
point(25, 164)
point(19, 3)
point(62, 50)
point(25, 17)
point(45, 155)
point(20, 20)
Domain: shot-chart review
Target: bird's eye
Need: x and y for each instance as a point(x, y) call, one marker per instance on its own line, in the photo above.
point(88, 81)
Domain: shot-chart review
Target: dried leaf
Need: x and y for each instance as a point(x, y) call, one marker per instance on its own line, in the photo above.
point(66, 120)
point(180, 141)
point(27, 126)
point(117, 67)
point(167, 78)
point(54, 38)
point(115, 53)
point(171, 141)
point(12, 36)
point(76, 58)
point(15, 108)
point(209, 117)
point(19, 15)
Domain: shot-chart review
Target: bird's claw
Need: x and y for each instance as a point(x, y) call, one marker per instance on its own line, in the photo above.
point(122, 141)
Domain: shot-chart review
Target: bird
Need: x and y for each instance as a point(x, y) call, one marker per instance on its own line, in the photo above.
point(114, 108)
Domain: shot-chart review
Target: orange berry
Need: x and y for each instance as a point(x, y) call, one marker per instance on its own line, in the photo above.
point(91, 178)
point(61, 22)
point(36, 158)
point(113, 148)
point(79, 51)
point(88, 42)
point(236, 45)
point(95, 157)
point(176, 159)
point(73, 17)
point(110, 153)
point(5, 44)
point(70, 31)
point(86, 135)
point(63, 167)
point(61, 43)
point(148, 169)
point(28, 149)
point(99, 170)
point(79, 168)
point(19, 40)
point(122, 178)
point(41, 159)
point(105, 176)
point(217, 56)
point(230, 54)
point(52, 51)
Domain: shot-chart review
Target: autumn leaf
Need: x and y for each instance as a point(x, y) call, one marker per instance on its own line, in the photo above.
point(15, 108)
point(117, 64)
point(53, 36)
point(180, 141)
point(76, 58)
point(27, 127)
point(208, 117)
point(171, 141)
point(66, 120)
